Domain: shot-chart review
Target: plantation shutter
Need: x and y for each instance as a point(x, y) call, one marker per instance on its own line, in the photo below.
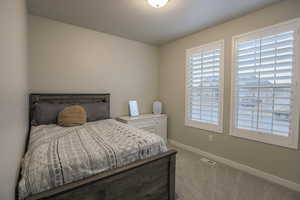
point(204, 84)
point(264, 84)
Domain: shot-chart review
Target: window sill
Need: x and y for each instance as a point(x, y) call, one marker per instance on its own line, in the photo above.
point(204, 126)
point(288, 142)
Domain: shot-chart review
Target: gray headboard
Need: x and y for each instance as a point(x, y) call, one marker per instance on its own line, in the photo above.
point(69, 99)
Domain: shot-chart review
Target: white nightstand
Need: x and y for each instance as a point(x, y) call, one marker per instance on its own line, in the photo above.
point(153, 123)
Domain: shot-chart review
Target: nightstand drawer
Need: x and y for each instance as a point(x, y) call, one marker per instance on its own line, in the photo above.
point(143, 123)
point(152, 123)
point(151, 129)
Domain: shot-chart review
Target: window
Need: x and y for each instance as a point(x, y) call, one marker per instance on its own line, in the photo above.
point(204, 87)
point(265, 94)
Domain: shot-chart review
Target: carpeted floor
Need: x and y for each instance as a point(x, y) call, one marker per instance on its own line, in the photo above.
point(196, 180)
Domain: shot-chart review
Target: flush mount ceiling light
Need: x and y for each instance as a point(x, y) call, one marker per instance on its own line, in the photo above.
point(157, 3)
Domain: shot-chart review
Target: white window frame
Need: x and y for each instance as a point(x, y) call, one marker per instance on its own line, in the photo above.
point(290, 141)
point(196, 124)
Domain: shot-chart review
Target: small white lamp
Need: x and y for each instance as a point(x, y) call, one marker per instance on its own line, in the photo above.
point(157, 107)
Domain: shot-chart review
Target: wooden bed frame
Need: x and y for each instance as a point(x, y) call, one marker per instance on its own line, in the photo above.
point(148, 179)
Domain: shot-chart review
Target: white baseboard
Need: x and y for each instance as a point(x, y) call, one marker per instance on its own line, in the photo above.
point(255, 172)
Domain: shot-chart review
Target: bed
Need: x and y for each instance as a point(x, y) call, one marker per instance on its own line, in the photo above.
point(103, 159)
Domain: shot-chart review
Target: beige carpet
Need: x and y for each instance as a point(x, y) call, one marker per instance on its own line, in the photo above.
point(196, 180)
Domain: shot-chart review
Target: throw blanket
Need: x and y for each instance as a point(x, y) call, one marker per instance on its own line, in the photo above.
point(59, 155)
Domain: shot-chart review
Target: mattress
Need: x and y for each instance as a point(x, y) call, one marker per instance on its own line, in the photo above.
point(58, 155)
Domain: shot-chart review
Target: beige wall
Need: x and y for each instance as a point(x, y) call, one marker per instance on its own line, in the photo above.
point(13, 91)
point(279, 161)
point(66, 58)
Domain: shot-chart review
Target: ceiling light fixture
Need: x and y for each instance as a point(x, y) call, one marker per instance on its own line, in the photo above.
point(157, 3)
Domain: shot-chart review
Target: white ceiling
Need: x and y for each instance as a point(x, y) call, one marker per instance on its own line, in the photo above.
point(136, 20)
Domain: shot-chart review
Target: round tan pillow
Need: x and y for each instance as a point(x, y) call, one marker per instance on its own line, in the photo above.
point(72, 116)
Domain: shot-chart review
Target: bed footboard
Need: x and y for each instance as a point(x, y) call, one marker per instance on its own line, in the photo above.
point(149, 179)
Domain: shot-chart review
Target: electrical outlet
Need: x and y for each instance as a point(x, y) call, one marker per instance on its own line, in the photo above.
point(210, 138)
point(209, 162)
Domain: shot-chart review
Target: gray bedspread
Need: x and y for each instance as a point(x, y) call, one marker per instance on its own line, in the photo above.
point(59, 155)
